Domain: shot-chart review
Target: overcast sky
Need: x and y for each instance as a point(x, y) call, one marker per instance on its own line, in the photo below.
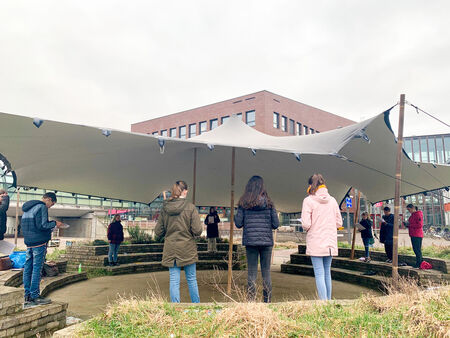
point(112, 63)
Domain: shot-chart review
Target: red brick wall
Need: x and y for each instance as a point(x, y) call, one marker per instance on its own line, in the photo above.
point(264, 103)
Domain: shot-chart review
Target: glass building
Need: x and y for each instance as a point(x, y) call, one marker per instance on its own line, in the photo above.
point(431, 149)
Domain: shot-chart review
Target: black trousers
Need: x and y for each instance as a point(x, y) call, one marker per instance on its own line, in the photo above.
point(265, 255)
point(388, 249)
point(417, 248)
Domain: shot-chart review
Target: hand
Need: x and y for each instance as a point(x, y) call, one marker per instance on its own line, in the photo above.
point(59, 224)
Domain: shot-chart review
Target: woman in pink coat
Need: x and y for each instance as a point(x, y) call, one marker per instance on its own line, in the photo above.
point(321, 217)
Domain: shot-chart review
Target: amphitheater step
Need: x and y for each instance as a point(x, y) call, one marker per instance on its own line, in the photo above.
point(348, 276)
point(438, 264)
point(49, 284)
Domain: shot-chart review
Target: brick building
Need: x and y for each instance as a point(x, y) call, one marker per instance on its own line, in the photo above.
point(265, 111)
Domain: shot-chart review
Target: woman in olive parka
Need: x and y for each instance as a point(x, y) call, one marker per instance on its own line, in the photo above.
point(179, 224)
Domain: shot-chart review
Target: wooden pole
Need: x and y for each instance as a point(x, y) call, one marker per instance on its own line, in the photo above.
point(398, 177)
point(355, 220)
point(16, 229)
point(230, 244)
point(194, 181)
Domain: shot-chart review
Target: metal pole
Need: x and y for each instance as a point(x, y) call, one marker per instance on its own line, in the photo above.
point(355, 220)
point(230, 244)
point(398, 177)
point(16, 230)
point(194, 185)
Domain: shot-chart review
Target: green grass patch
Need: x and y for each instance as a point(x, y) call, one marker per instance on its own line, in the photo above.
point(56, 254)
point(414, 313)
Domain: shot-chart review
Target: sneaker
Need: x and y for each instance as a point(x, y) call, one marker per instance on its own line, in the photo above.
point(116, 264)
point(27, 303)
point(389, 261)
point(367, 260)
point(41, 301)
point(111, 264)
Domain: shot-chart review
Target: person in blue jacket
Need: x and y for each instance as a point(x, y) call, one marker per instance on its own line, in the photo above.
point(258, 216)
point(37, 231)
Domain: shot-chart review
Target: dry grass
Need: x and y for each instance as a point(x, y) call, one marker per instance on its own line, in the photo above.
point(407, 311)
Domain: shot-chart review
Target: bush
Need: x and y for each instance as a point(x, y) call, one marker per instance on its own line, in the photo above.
point(98, 242)
point(139, 236)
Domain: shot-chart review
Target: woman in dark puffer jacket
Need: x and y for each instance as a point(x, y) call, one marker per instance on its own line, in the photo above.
point(257, 215)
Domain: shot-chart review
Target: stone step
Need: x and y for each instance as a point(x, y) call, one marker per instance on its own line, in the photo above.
point(102, 250)
point(438, 264)
point(49, 284)
point(37, 321)
point(157, 266)
point(11, 300)
point(157, 257)
point(381, 268)
point(348, 276)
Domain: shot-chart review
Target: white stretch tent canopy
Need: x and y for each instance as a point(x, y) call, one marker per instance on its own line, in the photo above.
point(129, 166)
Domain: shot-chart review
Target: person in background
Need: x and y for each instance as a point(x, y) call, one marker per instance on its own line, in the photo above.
point(321, 217)
point(115, 238)
point(387, 233)
point(258, 216)
point(179, 223)
point(415, 228)
point(37, 231)
point(366, 234)
point(212, 228)
point(4, 206)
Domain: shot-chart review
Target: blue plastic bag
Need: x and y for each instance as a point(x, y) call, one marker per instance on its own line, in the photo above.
point(18, 259)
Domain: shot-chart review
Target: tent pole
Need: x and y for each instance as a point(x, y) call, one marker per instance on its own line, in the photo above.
point(355, 220)
point(230, 244)
point(16, 229)
point(194, 184)
point(398, 177)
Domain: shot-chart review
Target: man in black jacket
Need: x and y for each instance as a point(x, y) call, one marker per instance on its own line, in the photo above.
point(37, 231)
point(4, 206)
point(387, 233)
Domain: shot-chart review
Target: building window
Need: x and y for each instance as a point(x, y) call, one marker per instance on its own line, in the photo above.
point(214, 123)
point(224, 119)
point(192, 130)
point(203, 127)
point(155, 133)
point(250, 118)
point(447, 148)
point(182, 133)
point(440, 149)
point(408, 148)
point(432, 150)
point(306, 130)
point(173, 132)
point(424, 149)
point(292, 127)
point(284, 123)
point(416, 150)
point(276, 120)
point(312, 131)
point(164, 132)
point(299, 128)
point(239, 115)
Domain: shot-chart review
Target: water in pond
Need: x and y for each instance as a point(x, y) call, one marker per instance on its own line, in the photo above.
point(91, 297)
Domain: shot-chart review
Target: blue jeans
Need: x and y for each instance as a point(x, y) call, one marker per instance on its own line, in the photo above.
point(366, 246)
point(32, 271)
point(191, 278)
point(112, 253)
point(322, 273)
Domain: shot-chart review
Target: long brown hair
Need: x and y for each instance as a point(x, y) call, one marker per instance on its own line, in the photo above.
point(255, 194)
point(177, 189)
point(314, 182)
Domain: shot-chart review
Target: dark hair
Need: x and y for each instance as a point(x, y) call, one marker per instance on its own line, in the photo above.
point(314, 182)
point(2, 191)
point(177, 189)
point(50, 195)
point(114, 217)
point(387, 209)
point(211, 209)
point(255, 194)
point(410, 206)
